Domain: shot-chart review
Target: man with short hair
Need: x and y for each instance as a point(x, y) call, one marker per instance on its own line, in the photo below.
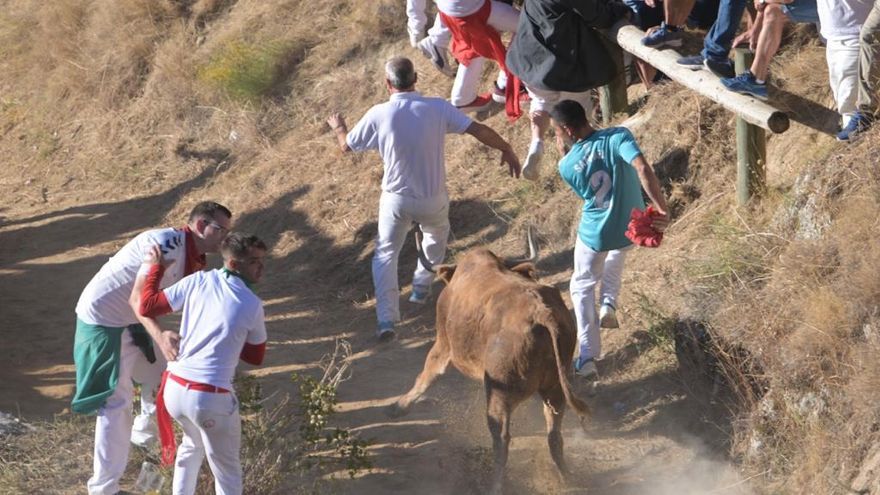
point(222, 320)
point(409, 132)
point(607, 170)
point(113, 344)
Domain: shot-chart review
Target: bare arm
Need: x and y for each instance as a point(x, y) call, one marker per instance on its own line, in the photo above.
point(337, 123)
point(651, 185)
point(167, 340)
point(489, 137)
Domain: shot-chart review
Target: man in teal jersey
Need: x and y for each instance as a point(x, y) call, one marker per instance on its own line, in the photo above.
point(606, 168)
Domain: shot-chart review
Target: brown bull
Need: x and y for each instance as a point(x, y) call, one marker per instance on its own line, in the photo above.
point(499, 325)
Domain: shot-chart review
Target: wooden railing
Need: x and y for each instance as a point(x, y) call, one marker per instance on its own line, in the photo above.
point(753, 116)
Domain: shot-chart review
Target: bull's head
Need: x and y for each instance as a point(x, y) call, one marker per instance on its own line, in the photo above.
point(523, 266)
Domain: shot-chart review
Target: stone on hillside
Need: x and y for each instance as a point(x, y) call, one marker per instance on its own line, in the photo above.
point(10, 425)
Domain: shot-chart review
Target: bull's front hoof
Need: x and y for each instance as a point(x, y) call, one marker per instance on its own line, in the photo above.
point(396, 410)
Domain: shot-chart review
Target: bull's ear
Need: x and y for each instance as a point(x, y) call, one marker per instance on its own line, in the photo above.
point(445, 272)
point(526, 269)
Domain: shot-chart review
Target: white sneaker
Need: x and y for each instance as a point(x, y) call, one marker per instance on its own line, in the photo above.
point(587, 370)
point(436, 56)
point(532, 167)
point(144, 432)
point(608, 317)
point(414, 39)
point(420, 294)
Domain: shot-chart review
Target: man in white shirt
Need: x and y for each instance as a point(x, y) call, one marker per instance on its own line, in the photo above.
point(409, 132)
point(112, 346)
point(222, 320)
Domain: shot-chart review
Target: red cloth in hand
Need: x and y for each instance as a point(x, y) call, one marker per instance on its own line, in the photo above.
point(640, 231)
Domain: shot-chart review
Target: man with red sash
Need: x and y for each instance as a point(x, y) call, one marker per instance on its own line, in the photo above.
point(113, 346)
point(475, 26)
point(222, 320)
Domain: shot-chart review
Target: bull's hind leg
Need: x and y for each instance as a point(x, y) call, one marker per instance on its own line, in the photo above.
point(435, 365)
point(498, 415)
point(554, 410)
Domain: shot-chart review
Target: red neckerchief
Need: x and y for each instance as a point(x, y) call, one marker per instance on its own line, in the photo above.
point(473, 37)
point(195, 262)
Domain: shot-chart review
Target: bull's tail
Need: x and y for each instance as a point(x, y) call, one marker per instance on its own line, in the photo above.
point(580, 407)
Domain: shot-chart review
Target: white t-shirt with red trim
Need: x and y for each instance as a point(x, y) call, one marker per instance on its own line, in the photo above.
point(219, 315)
point(104, 301)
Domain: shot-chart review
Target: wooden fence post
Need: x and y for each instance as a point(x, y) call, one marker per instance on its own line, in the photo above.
point(612, 97)
point(751, 146)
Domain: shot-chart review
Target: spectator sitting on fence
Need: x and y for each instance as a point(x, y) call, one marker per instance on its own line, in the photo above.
point(558, 54)
point(719, 40)
point(433, 46)
point(649, 14)
point(677, 14)
point(868, 76)
point(840, 22)
point(765, 39)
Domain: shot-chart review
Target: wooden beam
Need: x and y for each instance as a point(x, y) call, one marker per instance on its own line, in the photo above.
point(751, 146)
point(702, 81)
point(612, 97)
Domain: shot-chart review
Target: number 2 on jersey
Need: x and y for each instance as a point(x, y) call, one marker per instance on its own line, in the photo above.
point(600, 183)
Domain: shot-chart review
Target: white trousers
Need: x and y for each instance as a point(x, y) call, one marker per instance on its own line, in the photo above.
point(417, 19)
point(503, 18)
point(591, 267)
point(544, 101)
point(843, 75)
point(211, 426)
point(148, 375)
point(113, 423)
point(396, 216)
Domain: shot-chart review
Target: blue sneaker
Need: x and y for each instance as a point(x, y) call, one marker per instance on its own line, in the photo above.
point(420, 294)
point(722, 68)
point(693, 62)
point(858, 124)
point(746, 84)
point(664, 36)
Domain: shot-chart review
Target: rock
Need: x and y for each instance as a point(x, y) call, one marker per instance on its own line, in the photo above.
point(10, 425)
point(868, 479)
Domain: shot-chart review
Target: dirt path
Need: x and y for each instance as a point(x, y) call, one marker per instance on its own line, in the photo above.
point(649, 435)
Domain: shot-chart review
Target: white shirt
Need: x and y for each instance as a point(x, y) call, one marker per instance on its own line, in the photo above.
point(842, 19)
point(220, 314)
point(409, 131)
point(459, 8)
point(104, 301)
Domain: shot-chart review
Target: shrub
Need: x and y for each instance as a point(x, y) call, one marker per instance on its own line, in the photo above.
point(245, 71)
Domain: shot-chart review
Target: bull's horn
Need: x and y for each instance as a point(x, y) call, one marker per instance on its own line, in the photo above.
point(533, 252)
point(422, 258)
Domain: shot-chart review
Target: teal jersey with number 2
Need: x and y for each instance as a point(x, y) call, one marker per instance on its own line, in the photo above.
point(599, 170)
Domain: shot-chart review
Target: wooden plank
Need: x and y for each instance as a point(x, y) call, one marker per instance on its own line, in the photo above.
point(702, 81)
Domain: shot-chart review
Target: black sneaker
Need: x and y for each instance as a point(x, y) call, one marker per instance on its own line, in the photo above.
point(693, 62)
point(721, 68)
